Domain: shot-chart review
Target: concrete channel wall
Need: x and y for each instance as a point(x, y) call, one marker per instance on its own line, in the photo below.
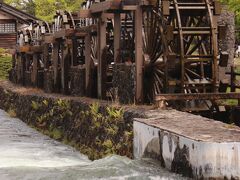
point(191, 145)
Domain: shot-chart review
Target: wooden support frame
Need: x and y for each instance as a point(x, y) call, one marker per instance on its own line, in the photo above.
point(197, 96)
point(45, 56)
point(117, 37)
point(64, 63)
point(34, 74)
point(139, 55)
point(55, 58)
point(101, 64)
point(89, 65)
point(109, 5)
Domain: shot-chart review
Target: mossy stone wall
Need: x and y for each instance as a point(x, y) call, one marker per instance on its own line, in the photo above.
point(95, 130)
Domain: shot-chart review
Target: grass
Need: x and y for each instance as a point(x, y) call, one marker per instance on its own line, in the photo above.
point(5, 66)
point(233, 102)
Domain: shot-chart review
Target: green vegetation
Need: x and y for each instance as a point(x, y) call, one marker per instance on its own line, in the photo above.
point(12, 113)
point(93, 131)
point(5, 64)
point(35, 7)
point(45, 9)
point(234, 5)
point(233, 102)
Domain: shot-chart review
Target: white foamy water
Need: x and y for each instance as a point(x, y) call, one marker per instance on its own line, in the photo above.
point(27, 154)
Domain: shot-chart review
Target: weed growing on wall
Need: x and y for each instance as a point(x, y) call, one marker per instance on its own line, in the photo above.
point(94, 131)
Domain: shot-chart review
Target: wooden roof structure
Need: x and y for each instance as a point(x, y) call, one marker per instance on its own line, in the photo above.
point(12, 20)
point(18, 14)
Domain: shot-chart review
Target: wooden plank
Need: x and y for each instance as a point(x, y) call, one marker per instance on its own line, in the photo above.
point(139, 55)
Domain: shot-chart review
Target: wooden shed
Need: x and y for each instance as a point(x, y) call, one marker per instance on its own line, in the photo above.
point(11, 20)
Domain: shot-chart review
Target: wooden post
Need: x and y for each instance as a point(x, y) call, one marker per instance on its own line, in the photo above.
point(117, 37)
point(89, 64)
point(34, 73)
point(64, 67)
point(45, 56)
point(74, 51)
point(55, 66)
point(233, 79)
point(22, 68)
point(139, 55)
point(101, 46)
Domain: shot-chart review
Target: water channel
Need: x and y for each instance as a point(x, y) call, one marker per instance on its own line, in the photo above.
point(26, 154)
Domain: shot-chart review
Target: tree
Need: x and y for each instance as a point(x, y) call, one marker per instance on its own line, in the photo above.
point(45, 9)
point(27, 6)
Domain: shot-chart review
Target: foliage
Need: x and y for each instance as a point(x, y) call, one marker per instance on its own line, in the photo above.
point(28, 6)
point(35, 105)
point(94, 131)
point(45, 9)
point(12, 112)
point(5, 64)
point(234, 5)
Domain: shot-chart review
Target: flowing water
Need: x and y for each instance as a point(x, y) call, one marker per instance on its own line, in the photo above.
point(27, 154)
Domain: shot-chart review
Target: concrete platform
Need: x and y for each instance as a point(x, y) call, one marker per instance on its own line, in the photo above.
point(188, 144)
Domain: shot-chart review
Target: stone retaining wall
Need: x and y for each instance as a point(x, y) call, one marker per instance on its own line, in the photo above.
point(227, 19)
point(95, 128)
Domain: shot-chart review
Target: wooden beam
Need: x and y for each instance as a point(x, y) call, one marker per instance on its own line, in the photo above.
point(68, 33)
point(101, 46)
point(36, 49)
point(117, 37)
point(84, 13)
point(139, 55)
point(48, 38)
point(24, 49)
point(197, 96)
point(92, 27)
point(105, 6)
point(129, 8)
